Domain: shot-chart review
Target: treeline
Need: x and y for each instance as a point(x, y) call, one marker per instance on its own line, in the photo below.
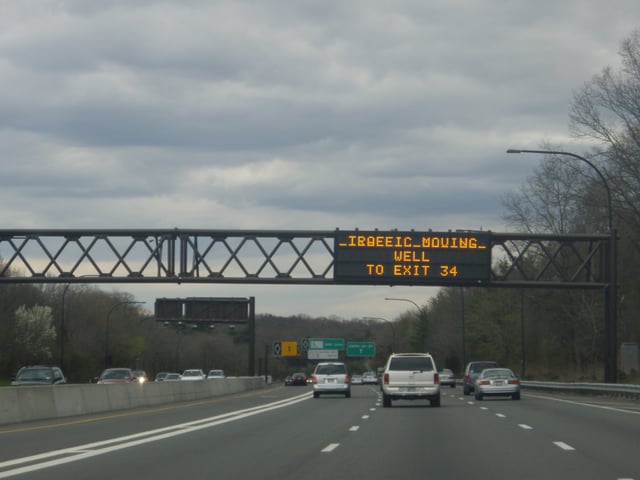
point(111, 329)
point(562, 331)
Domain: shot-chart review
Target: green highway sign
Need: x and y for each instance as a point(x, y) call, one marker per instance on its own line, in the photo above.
point(326, 344)
point(361, 349)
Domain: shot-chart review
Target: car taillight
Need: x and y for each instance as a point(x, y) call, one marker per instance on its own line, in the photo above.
point(315, 379)
point(436, 378)
point(514, 382)
point(485, 382)
point(346, 379)
point(467, 379)
point(385, 379)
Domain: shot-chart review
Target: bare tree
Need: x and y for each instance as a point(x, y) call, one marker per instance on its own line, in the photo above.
point(607, 109)
point(550, 201)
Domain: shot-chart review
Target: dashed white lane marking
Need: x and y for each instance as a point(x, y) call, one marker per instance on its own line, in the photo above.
point(525, 426)
point(365, 417)
point(355, 428)
point(501, 415)
point(372, 409)
point(564, 446)
point(484, 408)
point(330, 448)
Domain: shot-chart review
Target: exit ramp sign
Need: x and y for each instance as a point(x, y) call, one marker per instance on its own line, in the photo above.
point(361, 349)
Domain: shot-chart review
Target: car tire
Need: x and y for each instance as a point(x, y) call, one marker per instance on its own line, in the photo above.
point(435, 402)
point(316, 395)
point(465, 391)
point(386, 401)
point(479, 397)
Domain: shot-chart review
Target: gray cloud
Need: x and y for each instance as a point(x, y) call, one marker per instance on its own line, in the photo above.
point(232, 114)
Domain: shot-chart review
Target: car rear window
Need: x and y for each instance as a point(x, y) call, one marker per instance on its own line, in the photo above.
point(330, 370)
point(478, 367)
point(411, 363)
point(499, 373)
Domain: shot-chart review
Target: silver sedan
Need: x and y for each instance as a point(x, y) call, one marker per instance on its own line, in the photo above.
point(497, 382)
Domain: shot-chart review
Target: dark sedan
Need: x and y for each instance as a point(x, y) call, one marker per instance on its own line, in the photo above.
point(298, 379)
point(38, 375)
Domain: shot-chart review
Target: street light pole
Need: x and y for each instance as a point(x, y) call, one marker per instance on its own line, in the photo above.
point(420, 312)
point(611, 290)
point(393, 330)
point(107, 361)
point(64, 294)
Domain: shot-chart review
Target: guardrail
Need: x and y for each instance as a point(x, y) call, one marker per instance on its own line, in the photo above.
point(610, 389)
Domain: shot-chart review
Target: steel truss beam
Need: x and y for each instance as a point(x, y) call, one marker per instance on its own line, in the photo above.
point(266, 257)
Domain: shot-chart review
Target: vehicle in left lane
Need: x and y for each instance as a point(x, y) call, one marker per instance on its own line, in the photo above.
point(193, 374)
point(116, 375)
point(298, 378)
point(38, 375)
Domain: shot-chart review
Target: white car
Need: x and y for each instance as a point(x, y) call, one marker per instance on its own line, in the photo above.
point(447, 378)
point(193, 374)
point(215, 374)
point(370, 377)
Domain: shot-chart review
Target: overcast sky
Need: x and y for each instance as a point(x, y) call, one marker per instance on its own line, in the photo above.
point(294, 115)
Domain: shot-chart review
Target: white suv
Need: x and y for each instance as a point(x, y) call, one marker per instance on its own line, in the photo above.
point(331, 377)
point(410, 376)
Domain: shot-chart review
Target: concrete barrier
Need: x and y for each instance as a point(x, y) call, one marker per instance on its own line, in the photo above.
point(28, 403)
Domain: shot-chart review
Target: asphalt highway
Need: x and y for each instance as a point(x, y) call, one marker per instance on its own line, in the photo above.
point(283, 433)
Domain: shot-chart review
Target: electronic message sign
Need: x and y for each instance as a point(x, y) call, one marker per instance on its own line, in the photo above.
point(412, 258)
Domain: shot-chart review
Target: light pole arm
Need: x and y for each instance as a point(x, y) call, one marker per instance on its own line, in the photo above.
point(611, 292)
point(588, 162)
point(407, 300)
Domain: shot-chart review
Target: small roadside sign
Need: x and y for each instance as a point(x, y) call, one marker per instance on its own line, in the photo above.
point(326, 344)
point(289, 349)
point(322, 354)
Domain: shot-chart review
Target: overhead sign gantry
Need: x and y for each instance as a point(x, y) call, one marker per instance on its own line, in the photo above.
point(460, 258)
